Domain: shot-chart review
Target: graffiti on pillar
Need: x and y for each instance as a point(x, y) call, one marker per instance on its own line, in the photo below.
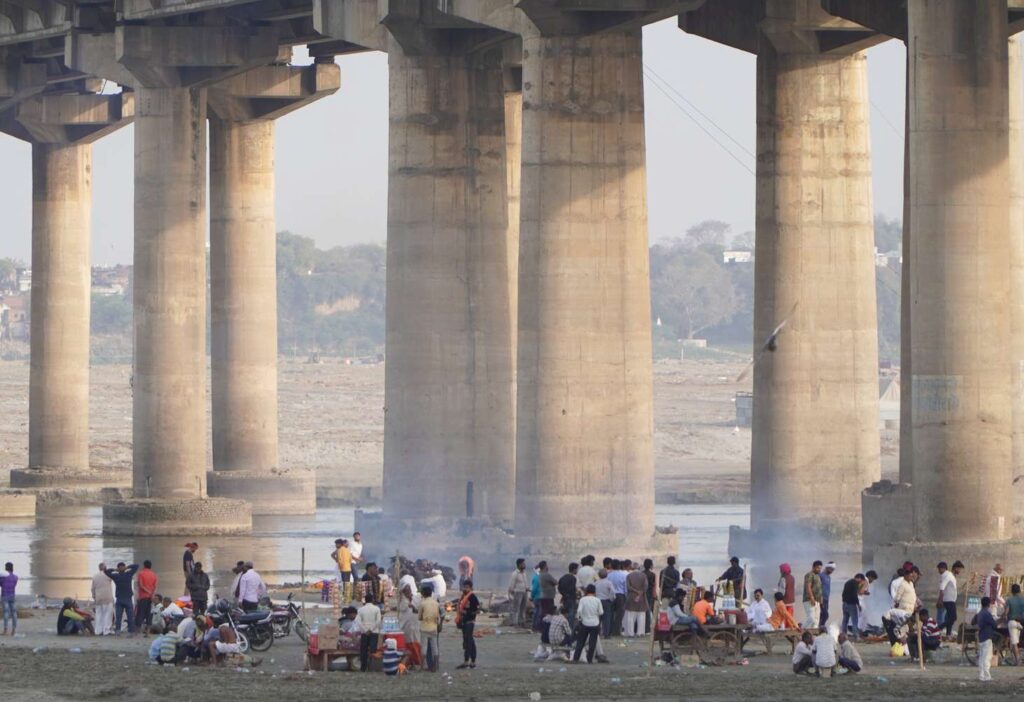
point(935, 396)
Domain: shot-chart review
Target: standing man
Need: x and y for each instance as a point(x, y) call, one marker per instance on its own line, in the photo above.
point(250, 588)
point(517, 590)
point(198, 586)
point(146, 583)
point(368, 617)
point(590, 612)
point(986, 634)
point(567, 589)
point(535, 598)
point(430, 617)
point(355, 547)
point(787, 586)
point(8, 582)
point(734, 576)
point(1015, 620)
point(188, 560)
point(851, 604)
point(812, 596)
point(122, 578)
point(994, 588)
point(604, 590)
point(618, 577)
point(826, 591)
point(548, 589)
point(103, 601)
point(946, 603)
point(634, 622)
point(372, 585)
point(465, 619)
point(587, 574)
point(668, 579)
point(343, 557)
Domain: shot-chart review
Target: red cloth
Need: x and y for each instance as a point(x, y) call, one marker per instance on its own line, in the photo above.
point(415, 653)
point(147, 581)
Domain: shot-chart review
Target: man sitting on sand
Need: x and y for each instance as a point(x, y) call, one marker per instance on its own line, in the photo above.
point(72, 621)
point(803, 655)
point(849, 657)
point(826, 652)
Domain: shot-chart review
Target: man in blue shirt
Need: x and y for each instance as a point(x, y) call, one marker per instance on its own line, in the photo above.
point(826, 590)
point(620, 569)
point(986, 634)
point(122, 578)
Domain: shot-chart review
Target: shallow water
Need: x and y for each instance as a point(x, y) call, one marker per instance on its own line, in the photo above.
point(57, 552)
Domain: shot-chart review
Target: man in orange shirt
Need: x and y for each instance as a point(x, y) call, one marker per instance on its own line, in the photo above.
point(704, 611)
point(145, 583)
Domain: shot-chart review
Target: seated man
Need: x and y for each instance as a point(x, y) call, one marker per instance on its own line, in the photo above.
point(677, 613)
point(704, 611)
point(72, 621)
point(191, 631)
point(221, 642)
point(781, 618)
point(165, 649)
point(759, 611)
point(393, 660)
point(559, 634)
point(826, 652)
point(803, 655)
point(931, 635)
point(849, 657)
point(171, 611)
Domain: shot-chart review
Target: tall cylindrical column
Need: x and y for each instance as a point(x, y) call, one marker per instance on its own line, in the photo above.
point(960, 270)
point(1016, 166)
point(584, 391)
point(169, 428)
point(59, 378)
point(815, 437)
point(243, 295)
point(514, 164)
point(448, 430)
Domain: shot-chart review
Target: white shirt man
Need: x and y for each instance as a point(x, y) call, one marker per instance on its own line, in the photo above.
point(826, 651)
point(251, 587)
point(172, 610)
point(368, 618)
point(589, 611)
point(436, 580)
point(103, 601)
point(759, 611)
point(355, 547)
point(947, 587)
point(586, 575)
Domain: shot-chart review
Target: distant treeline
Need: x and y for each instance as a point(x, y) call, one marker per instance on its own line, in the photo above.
point(332, 301)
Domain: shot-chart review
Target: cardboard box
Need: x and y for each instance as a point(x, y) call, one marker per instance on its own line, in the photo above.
point(328, 636)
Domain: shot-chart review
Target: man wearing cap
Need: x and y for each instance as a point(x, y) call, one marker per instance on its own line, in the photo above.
point(734, 575)
point(826, 589)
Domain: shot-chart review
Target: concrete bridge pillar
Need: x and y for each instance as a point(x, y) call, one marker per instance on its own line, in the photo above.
point(170, 68)
point(61, 129)
point(584, 406)
point(243, 285)
point(960, 270)
point(1016, 184)
point(449, 384)
point(816, 423)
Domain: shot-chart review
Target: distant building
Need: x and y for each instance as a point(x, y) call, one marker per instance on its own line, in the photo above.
point(14, 318)
point(737, 256)
point(108, 290)
point(24, 276)
point(744, 409)
point(111, 280)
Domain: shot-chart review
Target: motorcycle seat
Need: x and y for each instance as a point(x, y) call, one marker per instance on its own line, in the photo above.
point(250, 617)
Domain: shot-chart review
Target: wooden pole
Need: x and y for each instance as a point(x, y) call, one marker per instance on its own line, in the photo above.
point(302, 585)
point(920, 643)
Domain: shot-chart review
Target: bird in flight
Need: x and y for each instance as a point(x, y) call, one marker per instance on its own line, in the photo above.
point(770, 344)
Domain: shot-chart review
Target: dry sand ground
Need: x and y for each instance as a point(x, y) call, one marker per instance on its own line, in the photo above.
point(332, 419)
point(109, 668)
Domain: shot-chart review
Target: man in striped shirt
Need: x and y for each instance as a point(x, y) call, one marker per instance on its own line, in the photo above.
point(931, 634)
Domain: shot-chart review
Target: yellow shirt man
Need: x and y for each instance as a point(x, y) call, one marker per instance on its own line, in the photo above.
point(430, 612)
point(344, 558)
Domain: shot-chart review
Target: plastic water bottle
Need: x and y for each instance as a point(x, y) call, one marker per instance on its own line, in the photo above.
point(314, 637)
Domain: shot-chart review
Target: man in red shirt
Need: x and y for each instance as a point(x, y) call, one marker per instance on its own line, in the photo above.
point(145, 584)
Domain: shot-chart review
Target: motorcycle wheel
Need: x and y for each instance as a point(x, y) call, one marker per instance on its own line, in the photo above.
point(243, 642)
point(302, 630)
point(261, 638)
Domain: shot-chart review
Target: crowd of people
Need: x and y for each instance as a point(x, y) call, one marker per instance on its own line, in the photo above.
point(573, 612)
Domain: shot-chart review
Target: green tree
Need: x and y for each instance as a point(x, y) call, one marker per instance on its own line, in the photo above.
point(888, 234)
point(690, 290)
point(111, 314)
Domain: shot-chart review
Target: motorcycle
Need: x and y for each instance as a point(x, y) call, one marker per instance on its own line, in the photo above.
point(282, 617)
point(252, 629)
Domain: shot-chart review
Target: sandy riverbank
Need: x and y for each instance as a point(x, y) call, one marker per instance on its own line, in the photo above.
point(116, 668)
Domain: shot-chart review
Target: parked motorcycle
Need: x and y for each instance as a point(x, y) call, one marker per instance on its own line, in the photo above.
point(253, 629)
point(282, 617)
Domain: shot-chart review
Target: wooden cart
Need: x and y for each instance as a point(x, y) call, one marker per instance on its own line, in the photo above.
point(968, 638)
point(723, 644)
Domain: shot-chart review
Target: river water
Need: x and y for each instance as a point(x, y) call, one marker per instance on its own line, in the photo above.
point(56, 553)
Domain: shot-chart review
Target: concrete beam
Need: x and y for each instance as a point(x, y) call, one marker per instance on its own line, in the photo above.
point(96, 54)
point(888, 17)
point(270, 92)
point(19, 80)
point(136, 10)
point(356, 22)
point(733, 23)
point(69, 118)
point(189, 56)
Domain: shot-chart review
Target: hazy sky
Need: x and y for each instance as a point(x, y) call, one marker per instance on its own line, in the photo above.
point(332, 155)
